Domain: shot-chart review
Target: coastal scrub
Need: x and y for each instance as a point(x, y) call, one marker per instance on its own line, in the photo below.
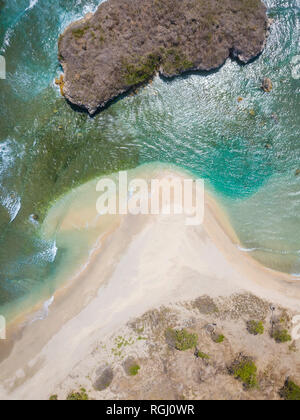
point(182, 340)
point(201, 355)
point(245, 370)
point(290, 391)
point(255, 327)
point(218, 338)
point(134, 370)
point(131, 366)
point(281, 335)
point(78, 396)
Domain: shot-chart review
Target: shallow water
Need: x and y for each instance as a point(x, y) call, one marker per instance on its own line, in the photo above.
point(194, 121)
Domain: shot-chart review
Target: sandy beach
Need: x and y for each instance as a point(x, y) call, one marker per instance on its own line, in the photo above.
point(140, 263)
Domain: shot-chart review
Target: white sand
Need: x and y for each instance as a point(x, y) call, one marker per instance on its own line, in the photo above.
point(142, 263)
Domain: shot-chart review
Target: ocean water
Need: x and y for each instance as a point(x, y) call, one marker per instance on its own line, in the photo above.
point(248, 152)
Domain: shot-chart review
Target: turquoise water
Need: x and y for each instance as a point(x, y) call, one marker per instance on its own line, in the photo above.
point(248, 159)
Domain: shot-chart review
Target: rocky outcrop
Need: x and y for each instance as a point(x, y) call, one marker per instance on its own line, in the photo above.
point(127, 41)
point(267, 85)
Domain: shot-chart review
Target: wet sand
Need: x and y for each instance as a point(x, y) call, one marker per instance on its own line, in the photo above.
point(139, 263)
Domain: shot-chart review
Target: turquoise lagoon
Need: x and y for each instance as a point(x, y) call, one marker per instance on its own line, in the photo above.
point(248, 152)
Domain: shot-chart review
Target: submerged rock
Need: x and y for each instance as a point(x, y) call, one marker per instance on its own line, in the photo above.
point(267, 85)
point(126, 42)
point(275, 118)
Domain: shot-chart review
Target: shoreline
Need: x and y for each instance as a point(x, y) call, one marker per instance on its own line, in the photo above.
point(212, 201)
point(127, 244)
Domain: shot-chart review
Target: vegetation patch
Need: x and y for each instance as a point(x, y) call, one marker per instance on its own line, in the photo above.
point(53, 398)
point(181, 340)
point(78, 396)
point(218, 338)
point(176, 62)
point(120, 343)
point(255, 327)
point(79, 32)
point(290, 391)
point(281, 335)
point(202, 355)
point(134, 370)
point(136, 74)
point(245, 370)
point(131, 366)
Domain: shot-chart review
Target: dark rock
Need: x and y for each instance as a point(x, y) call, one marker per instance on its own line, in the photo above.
point(297, 173)
point(210, 328)
point(104, 377)
point(126, 42)
point(267, 85)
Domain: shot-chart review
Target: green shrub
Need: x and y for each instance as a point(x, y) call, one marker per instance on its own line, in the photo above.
point(79, 32)
point(281, 336)
point(218, 338)
point(175, 61)
point(181, 339)
point(134, 370)
point(246, 371)
point(78, 396)
point(202, 356)
point(138, 73)
point(256, 327)
point(290, 391)
point(53, 398)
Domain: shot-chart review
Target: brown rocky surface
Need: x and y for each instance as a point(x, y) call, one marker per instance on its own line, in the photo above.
point(127, 41)
point(169, 374)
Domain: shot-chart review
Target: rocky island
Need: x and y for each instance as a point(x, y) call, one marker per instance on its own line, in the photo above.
point(125, 42)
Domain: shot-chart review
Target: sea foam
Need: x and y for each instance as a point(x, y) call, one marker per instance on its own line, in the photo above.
point(44, 312)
